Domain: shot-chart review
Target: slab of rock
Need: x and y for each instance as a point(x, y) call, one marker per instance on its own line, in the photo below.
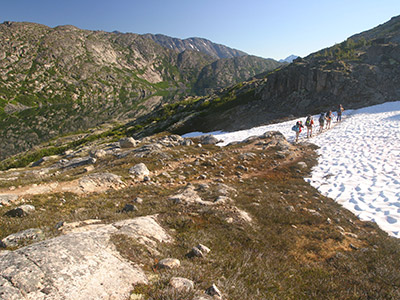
point(139, 171)
point(6, 199)
point(98, 182)
point(128, 142)
point(189, 196)
point(181, 284)
point(76, 162)
point(15, 239)
point(78, 266)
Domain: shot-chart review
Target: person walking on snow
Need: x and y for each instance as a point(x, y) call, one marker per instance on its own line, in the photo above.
point(339, 113)
point(309, 125)
point(298, 128)
point(321, 122)
point(328, 118)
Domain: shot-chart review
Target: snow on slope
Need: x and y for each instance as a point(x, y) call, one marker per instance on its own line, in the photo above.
point(359, 163)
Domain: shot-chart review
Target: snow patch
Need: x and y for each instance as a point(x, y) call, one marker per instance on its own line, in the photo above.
point(359, 162)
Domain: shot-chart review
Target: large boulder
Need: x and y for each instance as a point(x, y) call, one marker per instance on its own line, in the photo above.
point(139, 171)
point(209, 140)
point(82, 265)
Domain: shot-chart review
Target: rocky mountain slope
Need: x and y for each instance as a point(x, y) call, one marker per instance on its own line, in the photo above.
point(59, 80)
point(361, 71)
point(170, 218)
point(195, 44)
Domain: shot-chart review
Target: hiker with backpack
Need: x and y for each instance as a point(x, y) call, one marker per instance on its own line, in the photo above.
point(328, 118)
point(309, 124)
point(297, 128)
point(339, 113)
point(321, 122)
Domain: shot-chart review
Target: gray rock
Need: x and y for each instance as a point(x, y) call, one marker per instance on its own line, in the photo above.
point(187, 142)
point(195, 252)
point(82, 265)
point(6, 199)
point(181, 284)
point(20, 211)
point(138, 200)
point(209, 140)
point(100, 153)
point(203, 248)
point(128, 142)
point(189, 196)
point(139, 171)
point(32, 234)
point(169, 263)
point(100, 182)
point(129, 208)
point(76, 162)
point(213, 291)
point(198, 251)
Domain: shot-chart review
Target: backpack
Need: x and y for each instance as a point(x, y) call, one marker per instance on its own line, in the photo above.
point(295, 128)
point(308, 122)
point(321, 119)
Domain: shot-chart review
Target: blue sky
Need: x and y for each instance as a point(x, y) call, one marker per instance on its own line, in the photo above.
point(270, 29)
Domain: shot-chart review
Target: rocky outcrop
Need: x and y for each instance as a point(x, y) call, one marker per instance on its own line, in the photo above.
point(80, 265)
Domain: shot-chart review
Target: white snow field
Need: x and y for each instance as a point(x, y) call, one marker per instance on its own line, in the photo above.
point(359, 163)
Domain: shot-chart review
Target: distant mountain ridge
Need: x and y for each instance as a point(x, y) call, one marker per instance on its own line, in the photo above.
point(59, 80)
point(289, 59)
point(195, 44)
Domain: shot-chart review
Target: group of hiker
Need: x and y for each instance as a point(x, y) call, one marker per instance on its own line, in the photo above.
point(324, 118)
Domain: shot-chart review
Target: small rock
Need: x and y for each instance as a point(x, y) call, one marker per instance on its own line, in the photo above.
point(203, 248)
point(290, 208)
point(100, 153)
point(20, 211)
point(209, 140)
point(129, 208)
point(302, 165)
point(5, 199)
point(198, 251)
point(187, 142)
point(353, 247)
point(139, 170)
point(213, 291)
point(222, 200)
point(127, 142)
point(169, 263)
point(138, 200)
point(181, 284)
point(88, 169)
point(195, 252)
